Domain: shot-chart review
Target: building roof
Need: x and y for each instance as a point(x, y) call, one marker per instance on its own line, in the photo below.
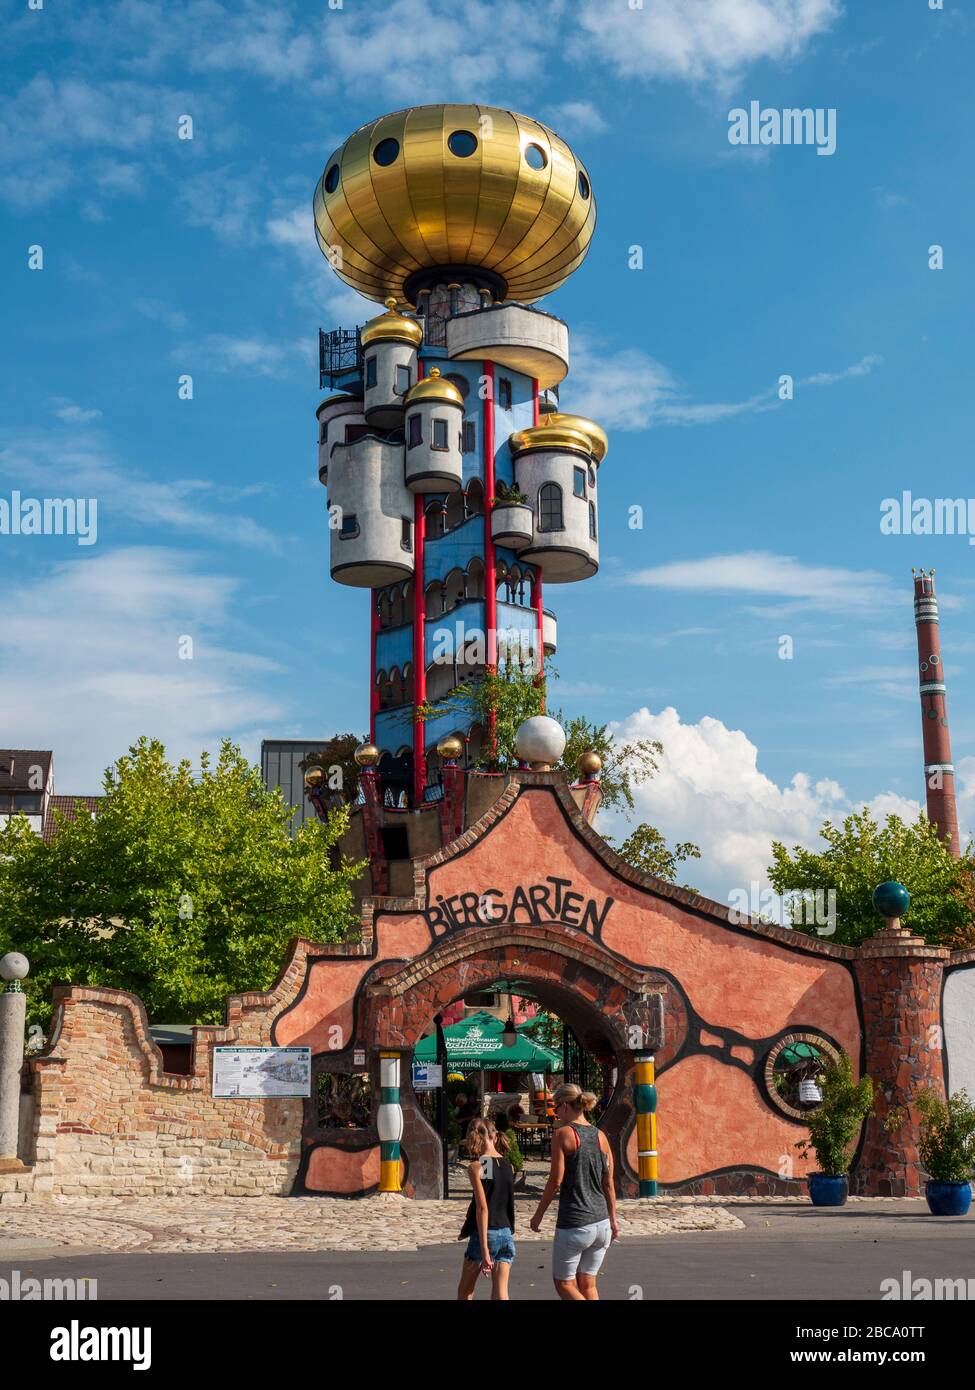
point(67, 805)
point(16, 765)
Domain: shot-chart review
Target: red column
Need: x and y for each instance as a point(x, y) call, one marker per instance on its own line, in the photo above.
point(374, 689)
point(534, 400)
point(539, 628)
point(490, 565)
point(419, 644)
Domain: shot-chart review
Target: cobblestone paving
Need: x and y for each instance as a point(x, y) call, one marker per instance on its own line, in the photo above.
point(173, 1224)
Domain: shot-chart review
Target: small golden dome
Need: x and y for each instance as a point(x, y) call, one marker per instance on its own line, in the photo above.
point(551, 437)
point(596, 433)
point(367, 755)
point(434, 388)
point(450, 747)
point(589, 763)
point(460, 187)
point(392, 327)
point(314, 777)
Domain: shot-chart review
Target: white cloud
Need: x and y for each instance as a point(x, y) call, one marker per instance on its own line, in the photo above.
point(237, 352)
point(709, 790)
point(781, 576)
point(862, 368)
point(160, 312)
point(89, 661)
point(577, 117)
point(629, 390)
point(75, 415)
point(83, 466)
point(699, 40)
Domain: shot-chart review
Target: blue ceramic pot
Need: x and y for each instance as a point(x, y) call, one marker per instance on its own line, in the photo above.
point(948, 1198)
point(828, 1189)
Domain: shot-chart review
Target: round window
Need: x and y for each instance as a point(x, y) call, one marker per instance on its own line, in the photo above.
point(386, 151)
point(583, 185)
point(461, 382)
point(462, 143)
point(535, 157)
point(332, 179)
point(935, 660)
point(793, 1072)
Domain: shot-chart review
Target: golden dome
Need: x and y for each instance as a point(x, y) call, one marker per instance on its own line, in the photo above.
point(314, 777)
point(455, 187)
point(367, 755)
point(551, 437)
point(597, 435)
point(392, 327)
point(434, 387)
point(450, 747)
point(589, 763)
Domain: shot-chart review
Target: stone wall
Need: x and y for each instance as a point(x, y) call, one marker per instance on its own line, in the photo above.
point(108, 1120)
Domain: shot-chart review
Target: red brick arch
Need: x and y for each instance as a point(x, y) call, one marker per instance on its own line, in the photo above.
point(595, 992)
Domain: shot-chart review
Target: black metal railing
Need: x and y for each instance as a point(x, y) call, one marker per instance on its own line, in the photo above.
point(339, 354)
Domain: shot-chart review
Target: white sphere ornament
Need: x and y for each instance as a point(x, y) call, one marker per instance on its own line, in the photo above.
point(540, 740)
point(14, 966)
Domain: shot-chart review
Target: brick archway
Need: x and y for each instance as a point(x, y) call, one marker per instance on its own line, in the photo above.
point(603, 999)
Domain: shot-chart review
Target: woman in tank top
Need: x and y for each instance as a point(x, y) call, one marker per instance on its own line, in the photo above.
point(582, 1175)
point(490, 1222)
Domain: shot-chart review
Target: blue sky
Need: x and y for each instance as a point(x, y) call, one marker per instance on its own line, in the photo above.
point(762, 517)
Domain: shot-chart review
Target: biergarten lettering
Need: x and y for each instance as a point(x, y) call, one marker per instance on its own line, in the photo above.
point(554, 900)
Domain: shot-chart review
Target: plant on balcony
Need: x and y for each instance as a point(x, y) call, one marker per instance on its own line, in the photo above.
point(505, 496)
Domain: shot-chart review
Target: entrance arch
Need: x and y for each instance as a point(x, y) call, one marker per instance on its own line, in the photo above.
point(608, 1004)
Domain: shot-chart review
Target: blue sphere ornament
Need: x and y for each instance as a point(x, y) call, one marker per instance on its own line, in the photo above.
point(891, 899)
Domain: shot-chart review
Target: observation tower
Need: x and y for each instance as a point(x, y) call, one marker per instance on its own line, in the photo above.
point(457, 488)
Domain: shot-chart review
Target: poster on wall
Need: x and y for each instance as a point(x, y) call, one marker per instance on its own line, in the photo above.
point(427, 1077)
point(256, 1072)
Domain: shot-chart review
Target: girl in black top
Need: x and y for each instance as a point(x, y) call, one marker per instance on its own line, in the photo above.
point(490, 1222)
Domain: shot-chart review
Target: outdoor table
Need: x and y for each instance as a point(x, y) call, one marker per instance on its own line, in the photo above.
point(536, 1135)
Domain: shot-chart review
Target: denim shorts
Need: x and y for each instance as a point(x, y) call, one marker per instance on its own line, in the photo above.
point(501, 1245)
point(580, 1249)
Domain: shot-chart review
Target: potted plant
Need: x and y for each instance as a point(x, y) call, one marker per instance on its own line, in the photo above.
point(833, 1129)
point(947, 1151)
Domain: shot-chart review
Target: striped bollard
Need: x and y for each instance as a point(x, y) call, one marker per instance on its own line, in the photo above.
point(645, 1098)
point(389, 1122)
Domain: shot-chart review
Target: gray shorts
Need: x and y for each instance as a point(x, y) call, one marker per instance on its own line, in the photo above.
point(580, 1249)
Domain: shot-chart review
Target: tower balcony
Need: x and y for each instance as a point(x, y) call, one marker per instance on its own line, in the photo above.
point(550, 632)
point(511, 524)
point(370, 514)
point(515, 335)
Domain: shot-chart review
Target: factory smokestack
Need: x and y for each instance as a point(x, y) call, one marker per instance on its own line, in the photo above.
point(939, 773)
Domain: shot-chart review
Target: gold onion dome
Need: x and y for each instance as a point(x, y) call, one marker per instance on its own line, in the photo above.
point(596, 433)
point(589, 763)
point(434, 388)
point(392, 327)
point(551, 437)
point(455, 188)
point(314, 777)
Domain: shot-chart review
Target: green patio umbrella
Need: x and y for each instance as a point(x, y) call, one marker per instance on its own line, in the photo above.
point(475, 1044)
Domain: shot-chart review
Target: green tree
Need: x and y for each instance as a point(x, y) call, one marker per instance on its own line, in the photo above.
point(859, 855)
point(647, 850)
point(183, 888)
point(544, 1028)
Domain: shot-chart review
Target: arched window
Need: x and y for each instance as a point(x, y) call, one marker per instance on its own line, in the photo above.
point(396, 606)
point(435, 520)
point(384, 610)
point(550, 508)
point(475, 578)
point(454, 587)
point(383, 683)
point(408, 683)
point(393, 688)
point(434, 605)
point(456, 511)
point(475, 497)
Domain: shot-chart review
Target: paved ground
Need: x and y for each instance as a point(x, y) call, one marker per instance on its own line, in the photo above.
point(248, 1248)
